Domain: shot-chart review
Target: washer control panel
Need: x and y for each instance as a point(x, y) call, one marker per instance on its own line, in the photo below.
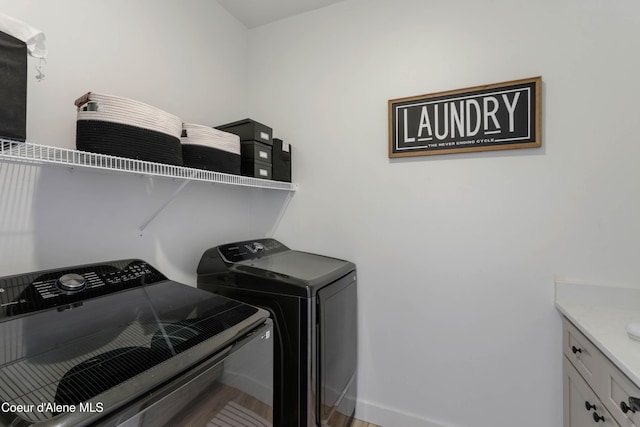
point(250, 249)
point(39, 291)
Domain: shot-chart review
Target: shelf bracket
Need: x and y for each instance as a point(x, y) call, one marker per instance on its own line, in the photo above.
point(163, 205)
point(281, 214)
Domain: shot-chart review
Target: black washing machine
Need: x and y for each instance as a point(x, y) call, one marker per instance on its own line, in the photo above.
point(119, 344)
point(313, 302)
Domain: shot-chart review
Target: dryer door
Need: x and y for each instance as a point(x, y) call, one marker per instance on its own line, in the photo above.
point(337, 351)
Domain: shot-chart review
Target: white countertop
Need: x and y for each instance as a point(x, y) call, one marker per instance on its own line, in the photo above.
point(602, 313)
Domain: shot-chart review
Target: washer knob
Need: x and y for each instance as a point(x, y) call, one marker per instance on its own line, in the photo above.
point(71, 283)
point(255, 247)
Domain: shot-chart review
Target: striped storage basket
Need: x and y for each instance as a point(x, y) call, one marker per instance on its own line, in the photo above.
point(204, 147)
point(123, 127)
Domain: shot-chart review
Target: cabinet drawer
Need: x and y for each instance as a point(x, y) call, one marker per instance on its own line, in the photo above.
point(256, 169)
point(582, 406)
point(619, 389)
point(586, 358)
point(254, 150)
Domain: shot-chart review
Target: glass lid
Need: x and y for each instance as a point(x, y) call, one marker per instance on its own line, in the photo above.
point(110, 349)
point(300, 265)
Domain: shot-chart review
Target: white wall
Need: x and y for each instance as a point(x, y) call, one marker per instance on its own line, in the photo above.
point(189, 61)
point(457, 254)
point(187, 58)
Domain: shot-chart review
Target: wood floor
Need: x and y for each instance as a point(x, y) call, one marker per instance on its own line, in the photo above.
point(358, 423)
point(227, 394)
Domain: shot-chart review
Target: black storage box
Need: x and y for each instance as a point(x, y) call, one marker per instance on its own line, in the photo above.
point(256, 159)
point(281, 161)
point(249, 130)
point(255, 150)
point(13, 88)
point(256, 169)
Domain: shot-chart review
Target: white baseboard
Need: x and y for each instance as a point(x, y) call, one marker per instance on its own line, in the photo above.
point(389, 417)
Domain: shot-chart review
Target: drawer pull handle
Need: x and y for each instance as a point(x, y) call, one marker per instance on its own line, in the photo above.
point(597, 418)
point(634, 403)
point(589, 406)
point(575, 349)
point(626, 408)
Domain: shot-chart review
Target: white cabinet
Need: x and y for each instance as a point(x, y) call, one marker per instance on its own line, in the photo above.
point(618, 390)
point(596, 392)
point(582, 406)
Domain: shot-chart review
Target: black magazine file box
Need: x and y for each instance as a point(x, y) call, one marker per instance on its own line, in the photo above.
point(13, 88)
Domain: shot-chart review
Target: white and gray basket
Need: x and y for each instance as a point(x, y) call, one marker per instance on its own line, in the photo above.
point(117, 126)
point(204, 147)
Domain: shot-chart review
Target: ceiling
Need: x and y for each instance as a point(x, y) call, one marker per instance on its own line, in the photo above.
point(254, 13)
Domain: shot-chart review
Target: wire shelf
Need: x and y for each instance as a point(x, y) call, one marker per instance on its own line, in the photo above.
point(44, 154)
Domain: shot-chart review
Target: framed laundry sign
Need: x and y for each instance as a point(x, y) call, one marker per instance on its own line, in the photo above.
point(498, 116)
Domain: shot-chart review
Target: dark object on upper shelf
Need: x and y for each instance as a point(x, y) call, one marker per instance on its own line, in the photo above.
point(249, 130)
point(255, 150)
point(256, 159)
point(281, 161)
point(13, 88)
point(256, 168)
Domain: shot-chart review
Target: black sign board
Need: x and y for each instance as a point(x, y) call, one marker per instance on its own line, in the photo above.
point(492, 117)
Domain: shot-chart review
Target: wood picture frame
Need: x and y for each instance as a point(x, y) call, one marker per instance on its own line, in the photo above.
point(498, 116)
